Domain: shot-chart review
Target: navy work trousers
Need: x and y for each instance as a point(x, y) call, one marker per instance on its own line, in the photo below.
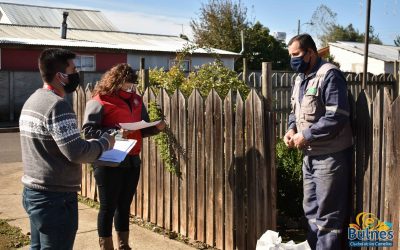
point(326, 184)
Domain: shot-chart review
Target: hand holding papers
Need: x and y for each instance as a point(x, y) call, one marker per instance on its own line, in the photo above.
point(138, 125)
point(116, 155)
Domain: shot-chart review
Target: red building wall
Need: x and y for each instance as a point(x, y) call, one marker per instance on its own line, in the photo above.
point(20, 59)
point(27, 59)
point(104, 61)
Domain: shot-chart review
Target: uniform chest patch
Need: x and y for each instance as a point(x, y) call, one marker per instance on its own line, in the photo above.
point(311, 91)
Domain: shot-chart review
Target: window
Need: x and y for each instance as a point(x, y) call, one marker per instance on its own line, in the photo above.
point(185, 64)
point(85, 63)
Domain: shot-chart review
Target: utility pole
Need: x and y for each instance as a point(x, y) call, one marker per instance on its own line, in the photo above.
point(298, 27)
point(366, 39)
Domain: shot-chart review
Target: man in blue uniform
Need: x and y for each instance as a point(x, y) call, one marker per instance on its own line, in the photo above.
point(319, 124)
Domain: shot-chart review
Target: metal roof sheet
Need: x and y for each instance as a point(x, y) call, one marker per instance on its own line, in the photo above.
point(21, 14)
point(13, 34)
point(385, 53)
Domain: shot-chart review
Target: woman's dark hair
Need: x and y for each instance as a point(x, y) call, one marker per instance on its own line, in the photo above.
point(113, 79)
point(52, 61)
point(305, 41)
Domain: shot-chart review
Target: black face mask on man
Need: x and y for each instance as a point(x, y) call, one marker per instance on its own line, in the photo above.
point(73, 82)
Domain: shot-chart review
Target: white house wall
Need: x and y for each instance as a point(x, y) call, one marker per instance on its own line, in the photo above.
point(389, 67)
point(158, 61)
point(353, 62)
point(200, 60)
point(151, 61)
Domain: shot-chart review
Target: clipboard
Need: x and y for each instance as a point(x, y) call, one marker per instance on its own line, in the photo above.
point(113, 157)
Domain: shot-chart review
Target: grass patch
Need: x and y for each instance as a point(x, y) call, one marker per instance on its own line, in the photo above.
point(88, 202)
point(11, 237)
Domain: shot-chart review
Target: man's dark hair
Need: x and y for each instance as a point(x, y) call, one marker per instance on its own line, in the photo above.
point(305, 41)
point(52, 61)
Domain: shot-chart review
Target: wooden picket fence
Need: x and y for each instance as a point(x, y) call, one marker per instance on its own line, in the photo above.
point(377, 157)
point(226, 196)
point(282, 85)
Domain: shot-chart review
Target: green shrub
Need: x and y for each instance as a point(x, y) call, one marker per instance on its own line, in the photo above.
point(209, 76)
point(169, 80)
point(290, 181)
point(215, 76)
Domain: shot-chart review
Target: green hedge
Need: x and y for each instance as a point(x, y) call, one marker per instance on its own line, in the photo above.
point(290, 181)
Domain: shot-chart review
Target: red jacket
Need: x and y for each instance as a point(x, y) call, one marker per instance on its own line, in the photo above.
point(116, 110)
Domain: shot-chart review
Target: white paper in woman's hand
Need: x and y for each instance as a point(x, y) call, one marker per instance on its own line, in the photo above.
point(138, 125)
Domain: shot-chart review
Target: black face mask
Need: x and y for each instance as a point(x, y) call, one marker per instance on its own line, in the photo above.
point(73, 82)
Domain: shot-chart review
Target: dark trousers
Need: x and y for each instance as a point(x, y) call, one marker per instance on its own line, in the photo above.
point(53, 218)
point(326, 183)
point(116, 185)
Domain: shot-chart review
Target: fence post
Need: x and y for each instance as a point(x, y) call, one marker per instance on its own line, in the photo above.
point(396, 74)
point(266, 85)
point(144, 74)
point(270, 141)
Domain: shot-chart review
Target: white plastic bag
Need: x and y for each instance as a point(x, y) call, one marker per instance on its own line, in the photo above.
point(271, 240)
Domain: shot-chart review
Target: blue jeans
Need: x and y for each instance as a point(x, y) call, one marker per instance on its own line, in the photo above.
point(326, 183)
point(53, 218)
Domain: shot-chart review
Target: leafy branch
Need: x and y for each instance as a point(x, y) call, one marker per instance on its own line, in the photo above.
point(166, 141)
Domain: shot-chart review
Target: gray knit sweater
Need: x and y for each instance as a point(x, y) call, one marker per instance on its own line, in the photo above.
point(52, 148)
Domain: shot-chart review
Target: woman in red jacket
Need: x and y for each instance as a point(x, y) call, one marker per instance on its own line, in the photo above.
point(115, 101)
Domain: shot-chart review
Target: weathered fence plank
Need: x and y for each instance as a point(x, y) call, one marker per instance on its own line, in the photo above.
point(386, 154)
point(167, 175)
point(229, 120)
point(252, 178)
point(183, 165)
point(209, 142)
point(219, 171)
point(200, 131)
point(175, 180)
point(263, 175)
point(377, 123)
point(393, 211)
point(363, 151)
point(153, 175)
point(192, 153)
point(146, 165)
point(240, 177)
point(160, 176)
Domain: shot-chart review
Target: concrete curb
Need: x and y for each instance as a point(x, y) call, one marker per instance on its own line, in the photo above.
point(9, 129)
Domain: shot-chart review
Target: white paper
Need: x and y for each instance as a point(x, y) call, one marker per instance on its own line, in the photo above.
point(138, 125)
point(119, 152)
point(271, 240)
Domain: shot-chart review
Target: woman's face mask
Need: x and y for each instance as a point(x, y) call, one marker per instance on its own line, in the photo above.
point(126, 91)
point(298, 64)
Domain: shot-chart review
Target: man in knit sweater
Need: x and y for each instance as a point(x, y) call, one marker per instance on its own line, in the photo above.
point(52, 151)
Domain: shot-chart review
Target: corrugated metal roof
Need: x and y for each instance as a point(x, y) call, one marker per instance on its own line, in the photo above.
point(13, 34)
point(385, 53)
point(30, 15)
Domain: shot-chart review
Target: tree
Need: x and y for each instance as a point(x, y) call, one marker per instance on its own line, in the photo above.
point(219, 25)
point(322, 19)
point(261, 47)
point(340, 33)
point(397, 41)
